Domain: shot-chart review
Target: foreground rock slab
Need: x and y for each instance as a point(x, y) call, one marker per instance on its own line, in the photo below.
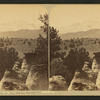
point(10, 81)
point(82, 82)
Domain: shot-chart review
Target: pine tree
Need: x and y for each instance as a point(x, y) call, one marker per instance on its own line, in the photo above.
point(76, 58)
point(42, 42)
point(55, 41)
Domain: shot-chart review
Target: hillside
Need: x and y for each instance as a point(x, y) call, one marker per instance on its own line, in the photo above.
point(93, 33)
point(92, 45)
point(23, 33)
point(23, 40)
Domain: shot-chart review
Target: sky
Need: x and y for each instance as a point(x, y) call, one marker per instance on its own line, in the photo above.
point(64, 17)
point(75, 17)
point(15, 17)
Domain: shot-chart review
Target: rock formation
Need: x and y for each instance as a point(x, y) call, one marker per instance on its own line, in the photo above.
point(87, 78)
point(25, 67)
point(11, 81)
point(82, 82)
point(24, 70)
point(26, 77)
point(90, 73)
point(96, 62)
point(15, 79)
point(33, 76)
point(16, 67)
point(57, 83)
point(98, 80)
point(86, 67)
point(96, 68)
point(37, 78)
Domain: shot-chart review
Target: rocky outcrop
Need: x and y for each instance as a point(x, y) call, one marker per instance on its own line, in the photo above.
point(98, 80)
point(14, 79)
point(23, 71)
point(82, 82)
point(87, 78)
point(37, 78)
point(96, 63)
point(16, 67)
point(11, 81)
point(92, 76)
point(25, 76)
point(57, 83)
point(25, 67)
point(96, 68)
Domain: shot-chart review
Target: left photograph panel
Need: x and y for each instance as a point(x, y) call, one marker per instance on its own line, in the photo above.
point(23, 47)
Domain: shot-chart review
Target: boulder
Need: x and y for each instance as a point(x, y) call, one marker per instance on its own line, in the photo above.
point(57, 83)
point(37, 78)
point(82, 82)
point(10, 81)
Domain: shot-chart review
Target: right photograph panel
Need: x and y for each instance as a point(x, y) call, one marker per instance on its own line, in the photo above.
point(74, 48)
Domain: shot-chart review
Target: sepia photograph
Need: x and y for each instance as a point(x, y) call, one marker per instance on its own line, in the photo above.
point(49, 49)
point(75, 48)
point(23, 47)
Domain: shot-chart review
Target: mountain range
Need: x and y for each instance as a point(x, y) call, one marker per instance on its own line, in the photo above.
point(23, 33)
point(27, 33)
point(92, 33)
